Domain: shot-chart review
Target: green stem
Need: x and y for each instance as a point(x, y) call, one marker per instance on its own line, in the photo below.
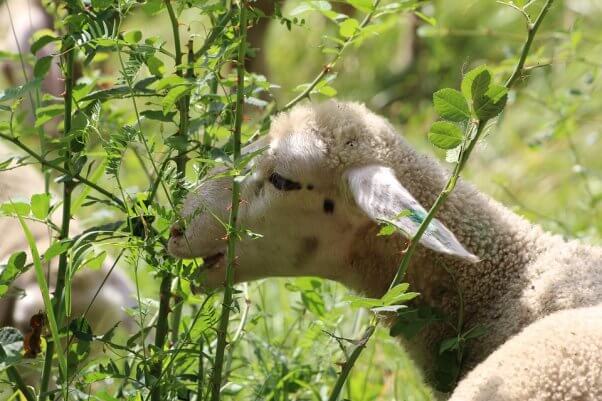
point(76, 178)
point(531, 31)
point(328, 67)
point(68, 186)
point(217, 30)
point(161, 332)
point(348, 365)
point(465, 153)
point(216, 377)
point(449, 187)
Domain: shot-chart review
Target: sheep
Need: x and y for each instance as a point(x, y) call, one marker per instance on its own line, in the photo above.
point(107, 309)
point(331, 172)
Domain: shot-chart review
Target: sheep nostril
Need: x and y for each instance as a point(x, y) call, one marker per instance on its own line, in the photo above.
point(176, 231)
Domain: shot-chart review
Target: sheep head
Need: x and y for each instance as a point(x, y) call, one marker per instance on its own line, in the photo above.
point(325, 174)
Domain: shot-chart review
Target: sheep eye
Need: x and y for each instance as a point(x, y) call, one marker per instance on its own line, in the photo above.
point(283, 184)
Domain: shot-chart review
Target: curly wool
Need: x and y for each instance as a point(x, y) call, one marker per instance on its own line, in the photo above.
point(524, 275)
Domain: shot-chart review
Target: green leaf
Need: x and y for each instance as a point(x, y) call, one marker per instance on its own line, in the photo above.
point(398, 294)
point(100, 4)
point(362, 5)
point(447, 371)
point(475, 332)
point(451, 105)
point(310, 6)
point(155, 66)
point(42, 67)
point(327, 90)
point(448, 344)
point(445, 135)
point(40, 206)
point(468, 79)
point(19, 91)
point(491, 103)
point(158, 115)
point(41, 280)
point(42, 41)
point(348, 27)
point(480, 84)
point(47, 113)
point(355, 301)
point(170, 81)
point(173, 96)
point(15, 208)
point(11, 270)
point(56, 248)
point(411, 321)
point(11, 342)
point(429, 20)
point(387, 230)
point(132, 36)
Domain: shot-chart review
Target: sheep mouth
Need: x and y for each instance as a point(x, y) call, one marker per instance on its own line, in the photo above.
point(211, 261)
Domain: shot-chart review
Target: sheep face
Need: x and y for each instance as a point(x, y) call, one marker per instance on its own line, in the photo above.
point(306, 200)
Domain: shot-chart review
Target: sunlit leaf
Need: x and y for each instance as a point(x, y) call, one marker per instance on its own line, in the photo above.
point(451, 105)
point(445, 135)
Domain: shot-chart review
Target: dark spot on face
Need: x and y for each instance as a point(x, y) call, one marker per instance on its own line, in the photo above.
point(309, 245)
point(258, 188)
point(284, 184)
point(310, 187)
point(307, 249)
point(328, 206)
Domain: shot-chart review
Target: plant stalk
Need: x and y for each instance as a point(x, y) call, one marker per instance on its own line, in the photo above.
point(216, 376)
point(75, 177)
point(348, 365)
point(328, 67)
point(68, 186)
point(449, 187)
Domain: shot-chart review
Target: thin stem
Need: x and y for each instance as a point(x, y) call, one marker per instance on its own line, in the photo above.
point(166, 282)
point(348, 365)
point(531, 31)
point(161, 331)
point(68, 186)
point(328, 67)
point(76, 178)
point(216, 377)
point(465, 153)
point(217, 30)
point(449, 187)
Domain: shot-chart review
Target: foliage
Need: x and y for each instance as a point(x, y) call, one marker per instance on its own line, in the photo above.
point(154, 110)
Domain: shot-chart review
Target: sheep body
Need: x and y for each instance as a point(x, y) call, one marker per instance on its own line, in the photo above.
point(556, 358)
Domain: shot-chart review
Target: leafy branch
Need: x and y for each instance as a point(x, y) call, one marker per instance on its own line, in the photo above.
point(75, 177)
point(216, 376)
point(488, 101)
point(328, 67)
point(68, 186)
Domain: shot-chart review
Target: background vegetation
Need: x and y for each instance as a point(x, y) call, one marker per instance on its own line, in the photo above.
point(541, 158)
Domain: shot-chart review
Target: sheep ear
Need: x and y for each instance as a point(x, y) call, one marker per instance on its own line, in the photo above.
point(381, 196)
